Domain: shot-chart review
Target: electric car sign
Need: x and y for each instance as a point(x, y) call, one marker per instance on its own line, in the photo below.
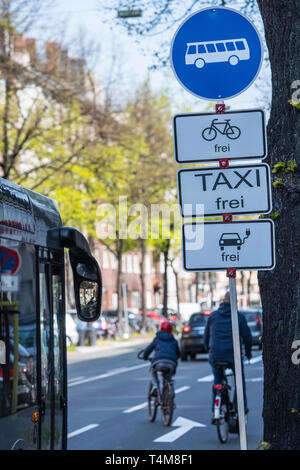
point(242, 189)
point(215, 246)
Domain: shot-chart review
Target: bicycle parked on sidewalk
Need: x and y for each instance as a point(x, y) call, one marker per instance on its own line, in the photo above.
point(160, 394)
point(225, 413)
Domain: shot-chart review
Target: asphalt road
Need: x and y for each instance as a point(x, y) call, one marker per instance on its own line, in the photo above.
point(107, 390)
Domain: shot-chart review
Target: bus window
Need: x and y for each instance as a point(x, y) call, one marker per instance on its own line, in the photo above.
point(58, 350)
point(210, 48)
point(201, 49)
point(230, 46)
point(220, 47)
point(46, 350)
point(18, 375)
point(240, 45)
point(191, 49)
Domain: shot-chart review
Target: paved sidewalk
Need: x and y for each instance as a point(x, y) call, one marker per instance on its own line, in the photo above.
point(107, 347)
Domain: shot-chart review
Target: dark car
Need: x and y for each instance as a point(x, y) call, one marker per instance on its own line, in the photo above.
point(254, 321)
point(192, 336)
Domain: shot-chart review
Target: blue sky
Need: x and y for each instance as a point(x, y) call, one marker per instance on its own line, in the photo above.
point(132, 65)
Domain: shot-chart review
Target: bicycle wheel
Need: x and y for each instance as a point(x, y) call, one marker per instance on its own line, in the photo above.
point(222, 424)
point(167, 404)
point(152, 404)
point(233, 132)
point(209, 133)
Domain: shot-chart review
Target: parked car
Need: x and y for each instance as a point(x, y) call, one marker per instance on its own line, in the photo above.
point(172, 314)
point(72, 336)
point(112, 318)
point(82, 326)
point(192, 335)
point(254, 321)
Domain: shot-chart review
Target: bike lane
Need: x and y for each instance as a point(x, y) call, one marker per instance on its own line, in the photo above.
point(109, 408)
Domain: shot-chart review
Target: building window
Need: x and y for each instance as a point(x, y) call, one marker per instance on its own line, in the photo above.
point(105, 261)
point(148, 264)
point(148, 299)
point(129, 264)
point(136, 269)
point(124, 264)
point(113, 261)
point(135, 299)
point(114, 300)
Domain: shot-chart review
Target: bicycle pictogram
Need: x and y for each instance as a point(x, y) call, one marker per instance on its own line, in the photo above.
point(223, 127)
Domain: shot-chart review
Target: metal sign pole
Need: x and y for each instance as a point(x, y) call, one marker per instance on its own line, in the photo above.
point(237, 359)
point(124, 289)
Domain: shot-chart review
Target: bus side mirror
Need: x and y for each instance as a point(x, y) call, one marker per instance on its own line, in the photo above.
point(88, 287)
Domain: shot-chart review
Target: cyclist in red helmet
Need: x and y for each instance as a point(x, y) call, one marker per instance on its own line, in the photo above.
point(166, 354)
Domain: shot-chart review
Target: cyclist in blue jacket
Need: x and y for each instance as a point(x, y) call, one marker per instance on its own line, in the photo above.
point(219, 343)
point(166, 354)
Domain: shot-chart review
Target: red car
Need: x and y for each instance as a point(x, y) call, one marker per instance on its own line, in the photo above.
point(157, 318)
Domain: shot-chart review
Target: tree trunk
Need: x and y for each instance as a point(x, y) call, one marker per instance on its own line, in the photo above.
point(280, 288)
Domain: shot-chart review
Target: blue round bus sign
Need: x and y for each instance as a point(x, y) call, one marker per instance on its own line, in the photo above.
point(216, 53)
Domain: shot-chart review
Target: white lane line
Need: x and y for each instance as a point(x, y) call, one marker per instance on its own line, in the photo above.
point(81, 430)
point(255, 359)
point(76, 378)
point(207, 378)
point(107, 374)
point(143, 405)
point(210, 378)
point(182, 389)
point(136, 408)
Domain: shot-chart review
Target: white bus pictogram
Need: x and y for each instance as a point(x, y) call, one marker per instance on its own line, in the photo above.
point(229, 50)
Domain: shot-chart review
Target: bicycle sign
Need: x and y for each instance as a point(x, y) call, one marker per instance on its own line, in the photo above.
point(210, 133)
point(216, 53)
point(209, 136)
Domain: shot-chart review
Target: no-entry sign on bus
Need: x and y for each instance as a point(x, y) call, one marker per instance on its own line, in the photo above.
point(216, 53)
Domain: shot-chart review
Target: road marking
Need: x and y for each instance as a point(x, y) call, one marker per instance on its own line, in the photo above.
point(182, 389)
point(136, 408)
point(255, 379)
point(183, 425)
point(76, 378)
point(207, 378)
point(107, 374)
point(143, 405)
point(210, 378)
point(255, 359)
point(81, 430)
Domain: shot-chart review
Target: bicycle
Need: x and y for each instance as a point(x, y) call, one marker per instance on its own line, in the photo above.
point(163, 398)
point(225, 413)
point(210, 133)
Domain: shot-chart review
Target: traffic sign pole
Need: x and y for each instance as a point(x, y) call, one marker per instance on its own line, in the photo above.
point(216, 54)
point(237, 359)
